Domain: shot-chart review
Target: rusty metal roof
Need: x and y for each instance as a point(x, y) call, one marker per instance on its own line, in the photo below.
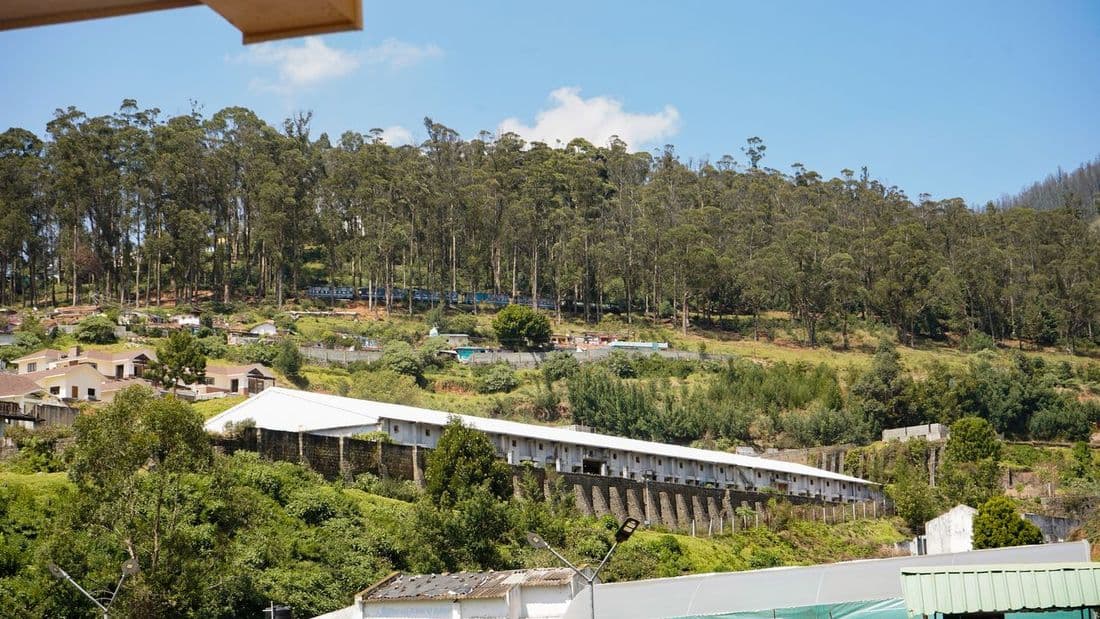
point(463, 585)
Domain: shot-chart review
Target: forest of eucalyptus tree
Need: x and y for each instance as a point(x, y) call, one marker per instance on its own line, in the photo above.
point(135, 208)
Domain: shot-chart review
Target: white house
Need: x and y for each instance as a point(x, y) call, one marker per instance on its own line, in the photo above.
point(37, 361)
point(951, 531)
point(119, 364)
point(563, 449)
point(239, 379)
point(513, 594)
point(72, 382)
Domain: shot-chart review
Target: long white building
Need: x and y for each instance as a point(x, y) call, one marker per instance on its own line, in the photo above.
point(565, 450)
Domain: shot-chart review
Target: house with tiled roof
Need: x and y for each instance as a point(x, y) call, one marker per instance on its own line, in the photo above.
point(78, 382)
point(24, 402)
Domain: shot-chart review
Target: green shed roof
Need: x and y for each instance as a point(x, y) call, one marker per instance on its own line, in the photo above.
point(1000, 588)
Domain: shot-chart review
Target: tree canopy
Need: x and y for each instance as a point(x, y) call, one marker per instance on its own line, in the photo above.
point(137, 206)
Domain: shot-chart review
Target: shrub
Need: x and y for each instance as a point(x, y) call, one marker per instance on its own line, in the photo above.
point(96, 330)
point(402, 490)
point(401, 358)
point(559, 365)
point(317, 504)
point(384, 385)
point(997, 524)
point(1070, 423)
point(288, 359)
point(462, 323)
point(519, 325)
point(977, 340)
point(498, 378)
point(214, 346)
point(621, 365)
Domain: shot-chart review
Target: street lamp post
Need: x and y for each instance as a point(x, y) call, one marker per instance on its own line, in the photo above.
point(129, 568)
point(625, 531)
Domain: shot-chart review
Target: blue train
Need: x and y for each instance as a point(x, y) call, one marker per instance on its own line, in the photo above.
point(421, 295)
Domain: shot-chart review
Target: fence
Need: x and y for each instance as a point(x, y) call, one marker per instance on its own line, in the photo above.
point(534, 359)
point(330, 355)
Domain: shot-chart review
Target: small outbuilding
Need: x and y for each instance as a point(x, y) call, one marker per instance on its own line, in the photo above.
point(512, 594)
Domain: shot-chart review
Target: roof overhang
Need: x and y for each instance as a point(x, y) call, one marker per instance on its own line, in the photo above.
point(258, 20)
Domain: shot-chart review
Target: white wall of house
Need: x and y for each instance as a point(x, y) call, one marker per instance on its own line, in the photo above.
point(84, 379)
point(951, 531)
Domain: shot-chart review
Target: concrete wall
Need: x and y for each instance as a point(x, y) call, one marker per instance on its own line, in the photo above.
point(929, 431)
point(951, 532)
point(1054, 528)
point(688, 508)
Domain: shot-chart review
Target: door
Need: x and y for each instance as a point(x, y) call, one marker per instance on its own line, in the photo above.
point(234, 385)
point(75, 392)
point(120, 370)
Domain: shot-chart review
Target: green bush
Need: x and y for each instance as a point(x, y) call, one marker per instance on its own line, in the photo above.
point(497, 378)
point(316, 504)
point(401, 358)
point(977, 340)
point(96, 330)
point(1068, 423)
point(620, 364)
point(384, 385)
point(997, 524)
point(559, 365)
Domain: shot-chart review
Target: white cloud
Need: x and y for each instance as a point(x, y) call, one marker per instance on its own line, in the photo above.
point(301, 66)
point(305, 65)
point(595, 119)
point(397, 54)
point(397, 136)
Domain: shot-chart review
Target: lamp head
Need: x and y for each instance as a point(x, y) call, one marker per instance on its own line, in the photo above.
point(56, 571)
point(626, 530)
point(536, 541)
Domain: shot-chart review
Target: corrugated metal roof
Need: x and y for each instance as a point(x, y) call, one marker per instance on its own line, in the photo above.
point(290, 410)
point(463, 585)
point(1000, 588)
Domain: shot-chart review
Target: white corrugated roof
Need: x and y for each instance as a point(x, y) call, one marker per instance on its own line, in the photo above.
point(290, 410)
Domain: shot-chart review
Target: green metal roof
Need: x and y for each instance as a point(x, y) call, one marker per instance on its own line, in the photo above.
point(1000, 588)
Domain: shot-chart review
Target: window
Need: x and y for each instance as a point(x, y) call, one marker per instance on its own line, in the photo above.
point(32, 367)
point(758, 474)
point(681, 464)
point(513, 442)
point(637, 459)
point(811, 482)
point(396, 428)
point(614, 456)
point(540, 446)
point(658, 461)
point(827, 484)
point(91, 393)
point(427, 432)
point(55, 390)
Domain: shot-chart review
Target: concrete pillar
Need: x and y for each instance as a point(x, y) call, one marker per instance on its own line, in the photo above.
point(616, 503)
point(668, 515)
point(584, 504)
point(301, 450)
point(418, 477)
point(634, 507)
point(713, 511)
point(599, 501)
point(652, 507)
point(698, 514)
point(343, 466)
point(683, 515)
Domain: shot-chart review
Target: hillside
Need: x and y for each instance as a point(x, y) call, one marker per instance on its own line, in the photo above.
point(1081, 187)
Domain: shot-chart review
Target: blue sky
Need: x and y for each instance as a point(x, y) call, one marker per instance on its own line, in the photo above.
point(968, 99)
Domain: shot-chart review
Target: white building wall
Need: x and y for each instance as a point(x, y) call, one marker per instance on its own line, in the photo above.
point(569, 457)
point(952, 531)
